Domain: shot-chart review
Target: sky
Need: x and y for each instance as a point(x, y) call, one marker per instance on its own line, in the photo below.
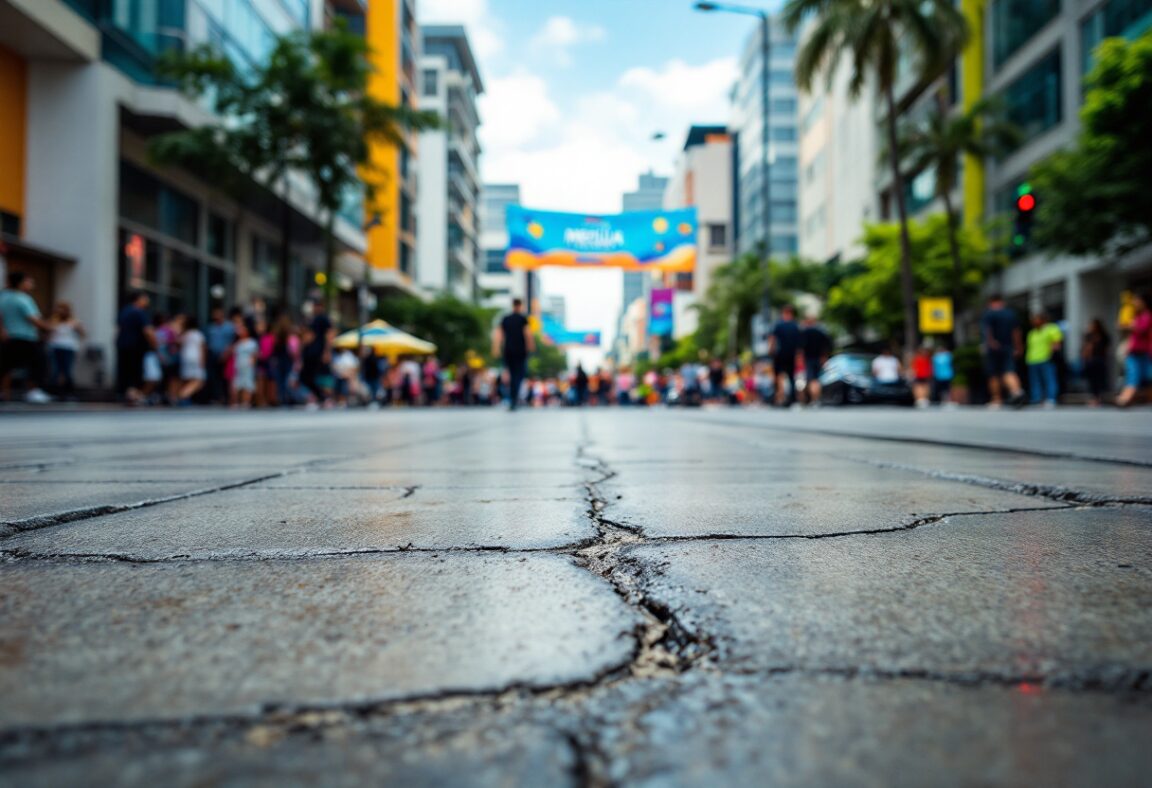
point(575, 91)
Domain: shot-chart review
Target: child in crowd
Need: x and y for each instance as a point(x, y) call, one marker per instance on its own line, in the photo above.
point(193, 361)
point(942, 375)
point(63, 345)
point(922, 377)
point(244, 353)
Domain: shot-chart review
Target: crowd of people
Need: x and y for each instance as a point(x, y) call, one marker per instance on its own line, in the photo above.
point(245, 358)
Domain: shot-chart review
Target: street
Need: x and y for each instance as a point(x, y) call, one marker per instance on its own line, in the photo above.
point(576, 597)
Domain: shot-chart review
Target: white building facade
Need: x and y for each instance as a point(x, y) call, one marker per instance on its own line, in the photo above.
point(94, 218)
point(448, 225)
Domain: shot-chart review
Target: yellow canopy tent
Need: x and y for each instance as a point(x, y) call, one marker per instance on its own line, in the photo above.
point(386, 340)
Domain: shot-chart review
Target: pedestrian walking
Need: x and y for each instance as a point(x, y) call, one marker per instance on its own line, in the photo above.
point(20, 349)
point(219, 335)
point(1138, 360)
point(816, 346)
point(285, 360)
point(886, 368)
point(193, 361)
point(1000, 334)
point(431, 381)
point(922, 377)
point(244, 353)
point(1095, 351)
point(512, 342)
point(580, 385)
point(943, 373)
point(63, 345)
point(1044, 340)
point(784, 347)
point(134, 338)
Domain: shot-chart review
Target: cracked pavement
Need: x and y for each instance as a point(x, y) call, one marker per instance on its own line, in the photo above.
point(606, 597)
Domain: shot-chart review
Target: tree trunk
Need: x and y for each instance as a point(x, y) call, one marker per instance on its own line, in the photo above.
point(330, 289)
point(285, 251)
point(907, 284)
point(957, 267)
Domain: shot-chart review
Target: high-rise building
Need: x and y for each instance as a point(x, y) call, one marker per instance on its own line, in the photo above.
point(449, 249)
point(747, 129)
point(837, 166)
point(394, 39)
point(1035, 56)
point(649, 196)
point(82, 206)
point(704, 179)
point(498, 285)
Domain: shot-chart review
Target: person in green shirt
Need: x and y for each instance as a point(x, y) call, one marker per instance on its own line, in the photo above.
point(1044, 339)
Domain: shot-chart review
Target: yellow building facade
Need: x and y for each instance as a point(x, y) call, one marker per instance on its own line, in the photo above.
point(392, 34)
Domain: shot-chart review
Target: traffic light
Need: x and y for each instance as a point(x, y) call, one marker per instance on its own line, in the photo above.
point(1025, 211)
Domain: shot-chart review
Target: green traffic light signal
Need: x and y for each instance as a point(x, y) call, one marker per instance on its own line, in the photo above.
point(1024, 188)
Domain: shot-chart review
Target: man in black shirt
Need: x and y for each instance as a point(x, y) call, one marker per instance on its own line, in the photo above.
point(1000, 332)
point(513, 341)
point(134, 338)
point(816, 346)
point(783, 347)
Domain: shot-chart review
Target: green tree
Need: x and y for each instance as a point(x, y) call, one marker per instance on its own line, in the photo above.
point(455, 326)
point(871, 295)
point(306, 109)
point(876, 36)
point(548, 361)
point(1094, 199)
point(938, 142)
point(736, 293)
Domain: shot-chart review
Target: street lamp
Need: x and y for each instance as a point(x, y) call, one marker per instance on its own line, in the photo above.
point(765, 181)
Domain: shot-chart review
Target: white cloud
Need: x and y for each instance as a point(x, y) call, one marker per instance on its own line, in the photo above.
point(678, 84)
point(515, 111)
point(560, 34)
point(483, 29)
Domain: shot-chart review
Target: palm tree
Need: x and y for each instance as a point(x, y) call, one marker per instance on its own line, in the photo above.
point(939, 141)
point(874, 34)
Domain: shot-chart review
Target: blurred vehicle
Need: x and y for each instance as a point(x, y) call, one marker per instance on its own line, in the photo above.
point(847, 379)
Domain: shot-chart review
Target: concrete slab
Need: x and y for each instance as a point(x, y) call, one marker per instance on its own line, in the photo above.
point(21, 501)
point(1062, 596)
point(301, 522)
point(797, 730)
point(797, 503)
point(429, 479)
point(503, 757)
point(112, 642)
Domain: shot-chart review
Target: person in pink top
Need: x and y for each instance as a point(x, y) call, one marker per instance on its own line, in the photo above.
point(1138, 362)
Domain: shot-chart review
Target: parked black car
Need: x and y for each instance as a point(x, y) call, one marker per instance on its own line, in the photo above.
point(847, 379)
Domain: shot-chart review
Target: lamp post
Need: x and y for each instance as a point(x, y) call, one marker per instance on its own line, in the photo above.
point(765, 180)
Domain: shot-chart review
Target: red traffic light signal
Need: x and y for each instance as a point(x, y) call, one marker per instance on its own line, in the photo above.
point(1025, 203)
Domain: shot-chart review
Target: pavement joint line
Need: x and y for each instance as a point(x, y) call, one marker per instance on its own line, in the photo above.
point(13, 527)
point(1057, 493)
point(1060, 455)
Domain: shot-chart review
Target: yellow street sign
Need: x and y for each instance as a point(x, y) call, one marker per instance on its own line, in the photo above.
point(936, 315)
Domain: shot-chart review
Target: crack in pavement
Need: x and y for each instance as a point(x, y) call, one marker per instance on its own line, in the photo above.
point(1052, 492)
point(1060, 455)
point(13, 527)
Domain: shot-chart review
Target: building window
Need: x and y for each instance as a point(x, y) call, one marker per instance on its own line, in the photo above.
point(1124, 18)
point(494, 261)
point(219, 242)
point(265, 270)
point(431, 81)
point(781, 78)
point(717, 236)
point(1033, 100)
point(783, 133)
point(783, 106)
point(783, 211)
point(785, 243)
point(9, 223)
point(1014, 22)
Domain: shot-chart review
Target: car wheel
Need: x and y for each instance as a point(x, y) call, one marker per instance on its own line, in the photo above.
point(834, 396)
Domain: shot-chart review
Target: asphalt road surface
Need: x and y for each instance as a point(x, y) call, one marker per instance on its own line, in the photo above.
point(598, 597)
